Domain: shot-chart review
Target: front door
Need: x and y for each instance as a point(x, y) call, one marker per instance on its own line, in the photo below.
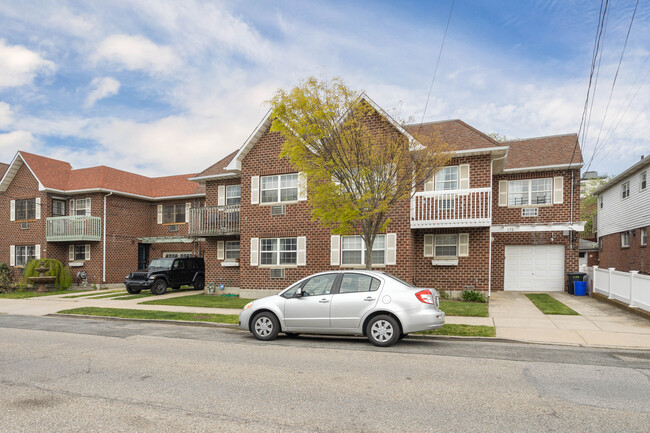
point(143, 256)
point(312, 309)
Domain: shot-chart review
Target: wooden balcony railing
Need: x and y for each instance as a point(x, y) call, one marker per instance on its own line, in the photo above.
point(459, 208)
point(214, 220)
point(73, 228)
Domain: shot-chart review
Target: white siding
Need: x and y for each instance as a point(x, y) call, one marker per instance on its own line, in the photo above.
point(621, 214)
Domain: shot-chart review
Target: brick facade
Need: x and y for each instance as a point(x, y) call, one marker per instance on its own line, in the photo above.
point(636, 257)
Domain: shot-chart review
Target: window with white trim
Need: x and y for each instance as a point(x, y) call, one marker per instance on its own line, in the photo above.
point(625, 189)
point(353, 250)
point(173, 213)
point(530, 192)
point(644, 237)
point(232, 250)
point(80, 252)
point(625, 239)
point(447, 178)
point(280, 188)
point(233, 195)
point(643, 180)
point(82, 206)
point(25, 254)
point(446, 246)
point(26, 209)
point(58, 207)
point(279, 251)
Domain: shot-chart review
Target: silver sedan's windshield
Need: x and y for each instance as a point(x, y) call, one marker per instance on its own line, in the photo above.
point(161, 263)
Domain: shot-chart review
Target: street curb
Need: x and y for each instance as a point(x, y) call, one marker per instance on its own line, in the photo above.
point(172, 322)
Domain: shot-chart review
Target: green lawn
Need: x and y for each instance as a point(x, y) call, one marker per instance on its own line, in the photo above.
point(208, 301)
point(31, 294)
point(462, 331)
point(138, 296)
point(459, 308)
point(158, 315)
point(549, 305)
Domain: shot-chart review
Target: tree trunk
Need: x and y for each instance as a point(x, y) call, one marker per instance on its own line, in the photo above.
point(369, 253)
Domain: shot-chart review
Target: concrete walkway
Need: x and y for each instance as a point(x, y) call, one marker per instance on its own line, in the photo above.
point(512, 313)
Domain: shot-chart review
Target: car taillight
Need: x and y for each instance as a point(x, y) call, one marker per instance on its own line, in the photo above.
point(425, 296)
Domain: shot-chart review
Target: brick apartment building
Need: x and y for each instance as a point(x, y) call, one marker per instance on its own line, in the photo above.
point(624, 220)
point(99, 220)
point(248, 215)
point(524, 195)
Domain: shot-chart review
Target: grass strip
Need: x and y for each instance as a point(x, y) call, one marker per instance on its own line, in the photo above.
point(138, 296)
point(459, 308)
point(31, 294)
point(208, 301)
point(156, 315)
point(549, 305)
point(462, 330)
point(92, 294)
point(112, 295)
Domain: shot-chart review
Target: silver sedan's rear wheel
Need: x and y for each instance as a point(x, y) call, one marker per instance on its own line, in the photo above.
point(265, 326)
point(383, 331)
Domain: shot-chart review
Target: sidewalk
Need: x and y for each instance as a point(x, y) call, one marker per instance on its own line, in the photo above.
point(512, 313)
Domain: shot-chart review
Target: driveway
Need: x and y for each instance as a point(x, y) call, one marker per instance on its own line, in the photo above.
point(598, 324)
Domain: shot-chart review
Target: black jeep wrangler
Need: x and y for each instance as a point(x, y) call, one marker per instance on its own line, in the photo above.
point(169, 272)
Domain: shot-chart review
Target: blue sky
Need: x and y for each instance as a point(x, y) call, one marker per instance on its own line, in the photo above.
point(171, 87)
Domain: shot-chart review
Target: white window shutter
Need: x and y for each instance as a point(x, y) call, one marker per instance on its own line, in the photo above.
point(12, 214)
point(255, 242)
point(302, 251)
point(12, 255)
point(71, 253)
point(88, 206)
point(558, 189)
point(255, 189)
point(37, 251)
point(335, 250)
point(503, 193)
point(463, 244)
point(429, 185)
point(72, 203)
point(188, 206)
point(428, 245)
point(160, 208)
point(221, 195)
point(391, 249)
point(87, 248)
point(37, 208)
point(302, 186)
point(463, 176)
point(220, 250)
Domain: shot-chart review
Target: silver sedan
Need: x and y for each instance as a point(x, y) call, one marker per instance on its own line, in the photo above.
point(370, 303)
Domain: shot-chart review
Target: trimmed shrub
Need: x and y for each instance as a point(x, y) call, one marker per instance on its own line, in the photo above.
point(5, 277)
point(473, 296)
point(443, 294)
point(62, 274)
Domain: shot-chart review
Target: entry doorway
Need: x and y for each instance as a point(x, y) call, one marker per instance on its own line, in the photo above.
point(143, 256)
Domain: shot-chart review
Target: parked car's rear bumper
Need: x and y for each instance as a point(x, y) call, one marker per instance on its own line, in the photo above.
point(422, 320)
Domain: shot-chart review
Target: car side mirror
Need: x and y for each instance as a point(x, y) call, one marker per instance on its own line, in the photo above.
point(298, 294)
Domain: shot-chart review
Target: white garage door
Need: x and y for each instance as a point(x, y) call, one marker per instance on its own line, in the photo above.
point(534, 268)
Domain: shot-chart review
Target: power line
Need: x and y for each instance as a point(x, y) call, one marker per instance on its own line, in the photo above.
point(437, 63)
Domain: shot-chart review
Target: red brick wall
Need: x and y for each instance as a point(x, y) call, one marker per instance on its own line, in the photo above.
point(633, 258)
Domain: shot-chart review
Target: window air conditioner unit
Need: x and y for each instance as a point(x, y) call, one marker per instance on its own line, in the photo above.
point(277, 273)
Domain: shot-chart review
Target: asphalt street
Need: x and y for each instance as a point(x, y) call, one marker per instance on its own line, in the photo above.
point(73, 375)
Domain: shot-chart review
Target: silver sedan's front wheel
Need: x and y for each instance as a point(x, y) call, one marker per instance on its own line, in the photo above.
point(383, 331)
point(265, 326)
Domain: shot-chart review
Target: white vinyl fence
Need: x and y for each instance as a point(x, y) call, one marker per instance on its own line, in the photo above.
point(628, 287)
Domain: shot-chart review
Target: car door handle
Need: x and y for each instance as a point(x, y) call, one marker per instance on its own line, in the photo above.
point(369, 299)
point(323, 301)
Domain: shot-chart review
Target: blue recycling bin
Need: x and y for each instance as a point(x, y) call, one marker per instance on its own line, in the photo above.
point(580, 288)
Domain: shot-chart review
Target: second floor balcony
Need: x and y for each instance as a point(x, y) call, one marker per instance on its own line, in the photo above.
point(73, 228)
point(457, 208)
point(214, 221)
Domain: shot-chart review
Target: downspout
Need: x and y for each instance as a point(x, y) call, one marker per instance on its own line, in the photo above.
point(104, 242)
point(490, 235)
point(571, 232)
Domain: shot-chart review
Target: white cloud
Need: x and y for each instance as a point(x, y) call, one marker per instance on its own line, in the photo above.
point(19, 66)
point(136, 53)
point(6, 116)
point(15, 140)
point(102, 88)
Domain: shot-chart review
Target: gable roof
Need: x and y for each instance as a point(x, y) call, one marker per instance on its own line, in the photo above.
point(218, 169)
point(638, 166)
point(58, 176)
point(3, 169)
point(458, 134)
point(555, 151)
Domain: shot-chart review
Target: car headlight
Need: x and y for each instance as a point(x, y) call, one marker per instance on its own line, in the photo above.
point(128, 276)
point(152, 277)
point(247, 306)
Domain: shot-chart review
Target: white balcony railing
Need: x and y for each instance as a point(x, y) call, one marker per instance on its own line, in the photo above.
point(214, 220)
point(73, 228)
point(459, 208)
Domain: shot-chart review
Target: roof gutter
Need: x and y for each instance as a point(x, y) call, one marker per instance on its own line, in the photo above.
point(215, 177)
point(126, 194)
point(543, 168)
